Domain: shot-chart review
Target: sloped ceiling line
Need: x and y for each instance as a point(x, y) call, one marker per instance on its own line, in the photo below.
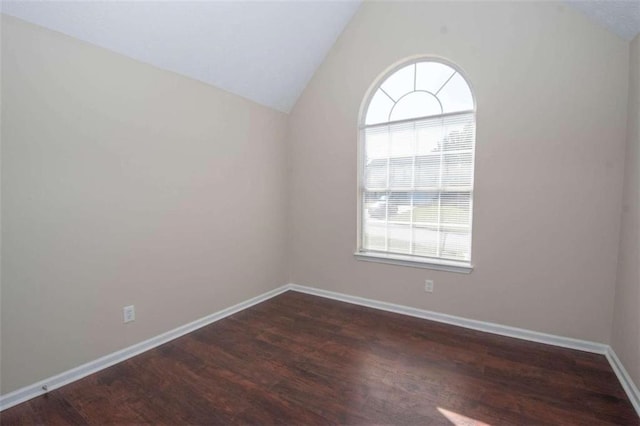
point(263, 51)
point(266, 51)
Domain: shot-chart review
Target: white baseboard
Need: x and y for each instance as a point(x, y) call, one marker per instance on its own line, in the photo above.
point(503, 330)
point(36, 389)
point(51, 383)
point(625, 380)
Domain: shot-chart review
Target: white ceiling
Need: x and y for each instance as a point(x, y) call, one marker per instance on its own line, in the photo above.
point(266, 51)
point(621, 17)
point(263, 51)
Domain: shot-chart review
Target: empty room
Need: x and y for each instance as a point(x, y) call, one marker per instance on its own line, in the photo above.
point(320, 212)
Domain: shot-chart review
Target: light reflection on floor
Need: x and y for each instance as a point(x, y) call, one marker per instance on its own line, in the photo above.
point(460, 420)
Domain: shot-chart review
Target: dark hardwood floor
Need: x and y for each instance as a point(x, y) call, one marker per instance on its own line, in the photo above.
point(299, 360)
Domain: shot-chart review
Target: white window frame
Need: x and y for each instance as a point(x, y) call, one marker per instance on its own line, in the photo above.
point(394, 258)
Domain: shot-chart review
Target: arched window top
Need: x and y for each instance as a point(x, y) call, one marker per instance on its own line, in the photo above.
point(424, 88)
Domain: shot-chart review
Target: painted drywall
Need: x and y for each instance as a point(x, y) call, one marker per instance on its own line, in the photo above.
point(551, 91)
point(626, 324)
point(125, 184)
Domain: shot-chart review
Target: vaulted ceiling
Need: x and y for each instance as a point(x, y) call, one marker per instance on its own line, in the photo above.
point(266, 51)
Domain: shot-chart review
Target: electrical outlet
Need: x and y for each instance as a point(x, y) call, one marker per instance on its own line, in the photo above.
point(428, 286)
point(129, 313)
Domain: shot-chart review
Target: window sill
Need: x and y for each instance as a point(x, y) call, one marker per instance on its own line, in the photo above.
point(415, 262)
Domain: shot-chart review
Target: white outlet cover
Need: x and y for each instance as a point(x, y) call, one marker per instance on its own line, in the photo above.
point(129, 313)
point(428, 286)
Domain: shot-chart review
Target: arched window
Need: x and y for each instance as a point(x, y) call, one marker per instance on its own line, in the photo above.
point(416, 153)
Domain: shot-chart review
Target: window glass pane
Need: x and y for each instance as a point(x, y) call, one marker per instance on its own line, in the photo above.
point(377, 142)
point(425, 210)
point(429, 135)
point(414, 105)
point(457, 169)
point(455, 210)
point(376, 157)
point(399, 83)
point(432, 75)
point(379, 208)
point(376, 174)
point(460, 133)
point(402, 140)
point(456, 95)
point(402, 205)
point(379, 108)
point(428, 170)
point(401, 172)
point(455, 245)
point(374, 236)
point(425, 242)
point(399, 204)
point(399, 239)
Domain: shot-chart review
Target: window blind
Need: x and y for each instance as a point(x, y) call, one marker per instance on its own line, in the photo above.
point(416, 190)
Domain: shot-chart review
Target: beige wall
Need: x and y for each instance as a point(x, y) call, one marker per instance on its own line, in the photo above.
point(626, 323)
point(124, 184)
point(551, 89)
